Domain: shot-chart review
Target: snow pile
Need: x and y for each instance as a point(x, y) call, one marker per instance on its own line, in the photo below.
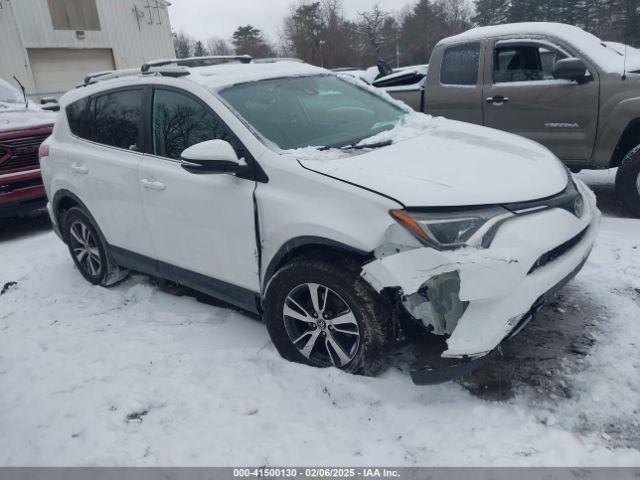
point(412, 125)
point(133, 376)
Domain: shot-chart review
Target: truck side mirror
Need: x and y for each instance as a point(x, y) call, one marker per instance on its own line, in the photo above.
point(50, 104)
point(383, 69)
point(572, 69)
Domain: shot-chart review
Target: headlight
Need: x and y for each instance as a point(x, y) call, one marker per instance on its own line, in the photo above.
point(446, 230)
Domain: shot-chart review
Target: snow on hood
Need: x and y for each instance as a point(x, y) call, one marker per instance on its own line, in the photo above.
point(22, 119)
point(439, 162)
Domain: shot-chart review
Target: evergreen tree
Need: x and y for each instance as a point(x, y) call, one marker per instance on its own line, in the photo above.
point(199, 50)
point(491, 12)
point(248, 40)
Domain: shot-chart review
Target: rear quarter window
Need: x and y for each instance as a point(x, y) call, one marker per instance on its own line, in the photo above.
point(460, 65)
point(114, 118)
point(75, 116)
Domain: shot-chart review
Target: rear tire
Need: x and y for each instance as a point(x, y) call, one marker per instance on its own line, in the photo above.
point(348, 325)
point(628, 182)
point(89, 250)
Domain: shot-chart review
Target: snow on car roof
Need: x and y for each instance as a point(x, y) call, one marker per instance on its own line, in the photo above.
point(607, 58)
point(212, 77)
point(219, 76)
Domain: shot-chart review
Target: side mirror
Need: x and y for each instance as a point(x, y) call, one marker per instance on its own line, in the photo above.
point(50, 104)
point(383, 69)
point(213, 157)
point(572, 69)
point(51, 107)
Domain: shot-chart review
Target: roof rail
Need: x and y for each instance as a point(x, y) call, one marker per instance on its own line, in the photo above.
point(277, 60)
point(196, 61)
point(107, 75)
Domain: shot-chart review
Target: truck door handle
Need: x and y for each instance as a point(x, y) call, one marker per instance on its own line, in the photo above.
point(151, 185)
point(79, 169)
point(497, 100)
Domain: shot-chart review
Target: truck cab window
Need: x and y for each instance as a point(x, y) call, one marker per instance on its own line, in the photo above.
point(523, 63)
point(460, 65)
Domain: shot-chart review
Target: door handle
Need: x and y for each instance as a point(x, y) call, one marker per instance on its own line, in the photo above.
point(79, 169)
point(497, 100)
point(151, 185)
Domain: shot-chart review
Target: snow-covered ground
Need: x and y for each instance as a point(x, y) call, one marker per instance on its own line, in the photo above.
point(134, 376)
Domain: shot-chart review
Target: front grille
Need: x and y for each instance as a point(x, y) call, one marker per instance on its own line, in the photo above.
point(570, 200)
point(20, 153)
point(557, 252)
point(11, 187)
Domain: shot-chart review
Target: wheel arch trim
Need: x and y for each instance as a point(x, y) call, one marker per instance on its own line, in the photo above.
point(64, 194)
point(298, 244)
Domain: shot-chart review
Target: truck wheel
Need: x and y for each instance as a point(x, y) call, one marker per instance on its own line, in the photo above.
point(323, 315)
point(628, 182)
point(89, 249)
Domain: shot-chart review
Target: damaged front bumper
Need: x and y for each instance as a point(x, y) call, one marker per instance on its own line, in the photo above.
point(478, 297)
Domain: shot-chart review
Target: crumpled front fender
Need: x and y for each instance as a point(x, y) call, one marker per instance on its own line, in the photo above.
point(478, 296)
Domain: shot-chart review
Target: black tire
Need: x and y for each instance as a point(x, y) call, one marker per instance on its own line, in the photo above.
point(628, 182)
point(96, 265)
point(373, 315)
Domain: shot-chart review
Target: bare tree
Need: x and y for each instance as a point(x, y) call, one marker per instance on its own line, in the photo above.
point(199, 50)
point(317, 32)
point(304, 31)
point(370, 27)
point(183, 44)
point(219, 46)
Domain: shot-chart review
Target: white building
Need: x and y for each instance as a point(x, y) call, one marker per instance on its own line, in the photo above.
point(50, 45)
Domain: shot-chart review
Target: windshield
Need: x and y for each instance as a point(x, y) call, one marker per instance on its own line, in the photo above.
point(314, 111)
point(9, 96)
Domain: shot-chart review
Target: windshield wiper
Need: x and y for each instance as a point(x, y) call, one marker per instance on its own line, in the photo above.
point(24, 92)
point(355, 146)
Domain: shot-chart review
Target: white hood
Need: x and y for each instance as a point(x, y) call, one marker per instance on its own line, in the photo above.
point(452, 164)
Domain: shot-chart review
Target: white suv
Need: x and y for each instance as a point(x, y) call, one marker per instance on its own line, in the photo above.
point(333, 211)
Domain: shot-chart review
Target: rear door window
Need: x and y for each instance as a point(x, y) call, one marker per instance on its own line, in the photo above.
point(75, 116)
point(115, 119)
point(460, 65)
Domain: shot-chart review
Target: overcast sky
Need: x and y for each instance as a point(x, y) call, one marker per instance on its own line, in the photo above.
point(219, 18)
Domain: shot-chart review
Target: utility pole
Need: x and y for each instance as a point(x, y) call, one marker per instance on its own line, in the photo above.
point(321, 43)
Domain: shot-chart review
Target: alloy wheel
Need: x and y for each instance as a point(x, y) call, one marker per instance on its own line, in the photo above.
point(321, 325)
point(85, 248)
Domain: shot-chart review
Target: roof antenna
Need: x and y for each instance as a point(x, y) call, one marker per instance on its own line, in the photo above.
point(626, 40)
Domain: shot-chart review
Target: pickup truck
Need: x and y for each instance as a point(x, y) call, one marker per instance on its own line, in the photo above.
point(553, 83)
point(23, 127)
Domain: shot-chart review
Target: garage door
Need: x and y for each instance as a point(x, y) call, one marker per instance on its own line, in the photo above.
point(57, 70)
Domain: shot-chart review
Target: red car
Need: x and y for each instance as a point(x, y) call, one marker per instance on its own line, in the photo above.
point(23, 127)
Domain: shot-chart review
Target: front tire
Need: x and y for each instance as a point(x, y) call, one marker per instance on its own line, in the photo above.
point(89, 250)
point(323, 315)
point(628, 182)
